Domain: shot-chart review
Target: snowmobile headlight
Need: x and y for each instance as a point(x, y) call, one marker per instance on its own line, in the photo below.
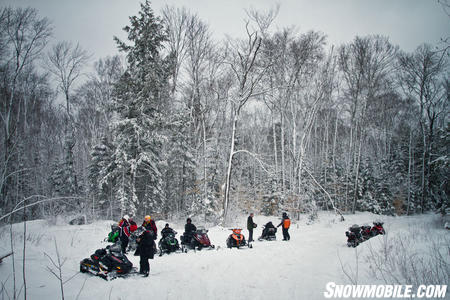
point(118, 268)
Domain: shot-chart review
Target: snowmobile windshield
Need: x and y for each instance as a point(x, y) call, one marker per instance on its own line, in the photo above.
point(115, 248)
point(202, 231)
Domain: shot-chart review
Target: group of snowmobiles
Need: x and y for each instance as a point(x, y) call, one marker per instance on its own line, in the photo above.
point(196, 240)
point(110, 262)
point(357, 234)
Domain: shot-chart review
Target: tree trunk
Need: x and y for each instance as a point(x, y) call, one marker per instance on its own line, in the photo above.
point(228, 175)
point(283, 179)
point(275, 150)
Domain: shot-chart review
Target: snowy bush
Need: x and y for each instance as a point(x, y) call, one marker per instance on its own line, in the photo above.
point(421, 255)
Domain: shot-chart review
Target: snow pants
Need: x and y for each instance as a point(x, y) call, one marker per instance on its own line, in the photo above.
point(124, 243)
point(250, 235)
point(144, 265)
point(286, 236)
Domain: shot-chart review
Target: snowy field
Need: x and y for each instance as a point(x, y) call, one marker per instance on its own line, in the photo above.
point(298, 269)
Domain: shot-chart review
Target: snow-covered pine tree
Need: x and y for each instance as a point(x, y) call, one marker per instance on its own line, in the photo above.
point(140, 103)
point(181, 188)
point(99, 184)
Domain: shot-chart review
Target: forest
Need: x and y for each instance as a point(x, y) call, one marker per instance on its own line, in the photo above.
point(181, 124)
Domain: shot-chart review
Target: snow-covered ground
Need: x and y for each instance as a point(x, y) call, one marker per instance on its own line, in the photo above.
point(298, 269)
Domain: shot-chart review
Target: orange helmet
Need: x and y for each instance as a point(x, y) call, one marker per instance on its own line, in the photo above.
point(147, 218)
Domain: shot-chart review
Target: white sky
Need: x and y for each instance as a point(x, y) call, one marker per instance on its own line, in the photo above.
point(407, 23)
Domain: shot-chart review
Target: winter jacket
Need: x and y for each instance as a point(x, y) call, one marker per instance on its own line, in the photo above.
point(123, 223)
point(166, 231)
point(124, 228)
point(151, 226)
point(146, 245)
point(269, 225)
point(189, 228)
point(286, 222)
point(133, 226)
point(250, 223)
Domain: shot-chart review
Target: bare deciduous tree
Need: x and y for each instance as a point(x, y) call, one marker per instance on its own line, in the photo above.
point(248, 73)
point(66, 63)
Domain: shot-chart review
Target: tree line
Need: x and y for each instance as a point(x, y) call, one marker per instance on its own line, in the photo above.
point(182, 124)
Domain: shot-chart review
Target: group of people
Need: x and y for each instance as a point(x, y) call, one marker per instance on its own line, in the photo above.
point(146, 240)
point(285, 223)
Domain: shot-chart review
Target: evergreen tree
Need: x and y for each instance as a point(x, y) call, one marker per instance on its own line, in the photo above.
point(140, 104)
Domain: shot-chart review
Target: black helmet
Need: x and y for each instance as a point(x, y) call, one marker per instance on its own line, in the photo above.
point(188, 220)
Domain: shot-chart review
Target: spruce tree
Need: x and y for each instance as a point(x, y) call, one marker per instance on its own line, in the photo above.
point(140, 104)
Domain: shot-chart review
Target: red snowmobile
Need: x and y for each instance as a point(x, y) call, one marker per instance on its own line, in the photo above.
point(199, 240)
point(377, 228)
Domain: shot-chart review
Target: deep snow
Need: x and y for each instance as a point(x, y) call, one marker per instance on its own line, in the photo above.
point(298, 269)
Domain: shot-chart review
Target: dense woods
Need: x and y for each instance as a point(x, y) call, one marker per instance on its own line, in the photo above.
point(182, 124)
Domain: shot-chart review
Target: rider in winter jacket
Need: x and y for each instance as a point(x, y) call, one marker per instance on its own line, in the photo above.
point(250, 226)
point(146, 246)
point(286, 222)
point(124, 233)
point(150, 225)
point(189, 230)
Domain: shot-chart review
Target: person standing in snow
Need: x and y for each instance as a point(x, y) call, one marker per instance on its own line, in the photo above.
point(146, 244)
point(124, 232)
point(150, 225)
point(250, 226)
point(286, 222)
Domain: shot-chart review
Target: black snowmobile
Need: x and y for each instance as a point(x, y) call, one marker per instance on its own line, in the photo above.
point(354, 237)
point(108, 263)
point(365, 232)
point(168, 243)
point(268, 233)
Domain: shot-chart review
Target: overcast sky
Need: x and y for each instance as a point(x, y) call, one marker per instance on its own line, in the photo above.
point(407, 23)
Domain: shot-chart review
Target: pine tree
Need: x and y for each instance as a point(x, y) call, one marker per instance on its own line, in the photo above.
point(140, 102)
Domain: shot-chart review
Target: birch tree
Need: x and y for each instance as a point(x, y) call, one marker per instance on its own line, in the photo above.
point(247, 74)
point(422, 75)
point(365, 65)
point(23, 37)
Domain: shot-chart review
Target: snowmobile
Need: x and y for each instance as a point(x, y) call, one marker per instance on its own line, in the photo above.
point(237, 239)
point(108, 263)
point(268, 233)
point(198, 240)
point(168, 243)
point(377, 228)
point(354, 237)
point(365, 232)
